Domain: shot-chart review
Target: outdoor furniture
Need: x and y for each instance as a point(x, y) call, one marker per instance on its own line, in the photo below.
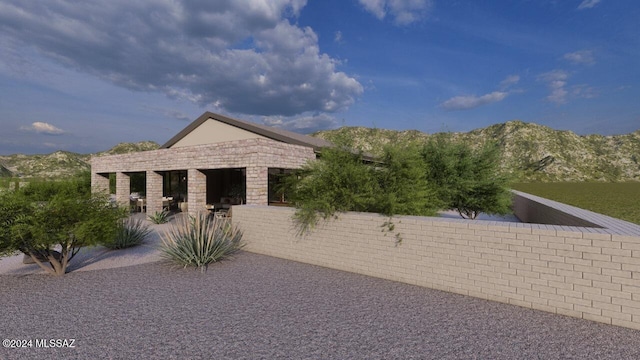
point(221, 214)
point(221, 206)
point(167, 202)
point(142, 205)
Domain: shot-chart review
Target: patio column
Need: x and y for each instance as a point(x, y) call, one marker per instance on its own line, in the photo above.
point(100, 183)
point(154, 192)
point(257, 185)
point(196, 191)
point(123, 188)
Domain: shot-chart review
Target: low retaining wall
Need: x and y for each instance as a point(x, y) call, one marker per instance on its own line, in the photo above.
point(588, 273)
point(531, 209)
point(537, 210)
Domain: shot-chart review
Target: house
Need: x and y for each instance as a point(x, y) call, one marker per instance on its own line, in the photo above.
point(214, 162)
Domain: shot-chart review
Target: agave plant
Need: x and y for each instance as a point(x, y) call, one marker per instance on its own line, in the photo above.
point(161, 217)
point(130, 232)
point(201, 240)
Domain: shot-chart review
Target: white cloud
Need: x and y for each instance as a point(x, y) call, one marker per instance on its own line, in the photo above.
point(43, 128)
point(509, 81)
point(472, 101)
point(588, 4)
point(304, 124)
point(584, 91)
point(338, 37)
point(241, 56)
point(580, 57)
point(403, 12)
point(556, 82)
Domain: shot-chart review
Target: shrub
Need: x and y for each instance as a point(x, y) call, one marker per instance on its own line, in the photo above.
point(201, 240)
point(130, 232)
point(159, 217)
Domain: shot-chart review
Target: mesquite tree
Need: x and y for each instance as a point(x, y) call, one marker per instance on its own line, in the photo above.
point(467, 180)
point(342, 181)
point(50, 221)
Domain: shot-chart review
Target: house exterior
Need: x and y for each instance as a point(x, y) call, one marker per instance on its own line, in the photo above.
point(214, 162)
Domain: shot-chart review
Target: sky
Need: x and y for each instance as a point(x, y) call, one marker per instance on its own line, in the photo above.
point(85, 76)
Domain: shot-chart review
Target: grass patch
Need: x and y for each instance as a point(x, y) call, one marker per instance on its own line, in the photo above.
point(619, 200)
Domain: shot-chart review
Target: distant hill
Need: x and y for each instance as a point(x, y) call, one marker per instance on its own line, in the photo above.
point(61, 163)
point(532, 152)
point(124, 148)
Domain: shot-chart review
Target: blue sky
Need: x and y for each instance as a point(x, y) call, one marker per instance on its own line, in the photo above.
point(84, 76)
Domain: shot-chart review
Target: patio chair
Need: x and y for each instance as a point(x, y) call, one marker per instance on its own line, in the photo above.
point(221, 214)
point(142, 205)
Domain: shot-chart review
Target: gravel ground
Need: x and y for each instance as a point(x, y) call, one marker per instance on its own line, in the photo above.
point(259, 307)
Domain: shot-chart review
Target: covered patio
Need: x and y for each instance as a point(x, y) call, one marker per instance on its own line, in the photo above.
point(214, 163)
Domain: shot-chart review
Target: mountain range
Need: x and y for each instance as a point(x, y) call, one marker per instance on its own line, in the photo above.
point(532, 152)
point(60, 163)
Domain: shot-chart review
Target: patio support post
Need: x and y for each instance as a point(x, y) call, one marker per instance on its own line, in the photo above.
point(257, 185)
point(197, 191)
point(154, 192)
point(123, 188)
point(100, 183)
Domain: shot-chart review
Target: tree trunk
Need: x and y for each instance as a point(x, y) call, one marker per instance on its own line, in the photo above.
point(36, 259)
point(58, 266)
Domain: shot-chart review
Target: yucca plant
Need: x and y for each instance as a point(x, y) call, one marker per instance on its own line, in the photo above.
point(161, 217)
point(131, 232)
point(200, 241)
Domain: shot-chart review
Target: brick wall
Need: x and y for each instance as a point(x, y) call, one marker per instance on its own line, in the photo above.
point(581, 272)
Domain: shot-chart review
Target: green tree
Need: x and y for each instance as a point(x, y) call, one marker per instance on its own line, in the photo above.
point(336, 182)
point(404, 188)
point(467, 180)
point(342, 181)
point(55, 214)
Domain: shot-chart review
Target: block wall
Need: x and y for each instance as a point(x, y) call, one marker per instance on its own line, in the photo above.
point(580, 272)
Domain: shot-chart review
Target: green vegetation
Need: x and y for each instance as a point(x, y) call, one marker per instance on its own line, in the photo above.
point(619, 200)
point(407, 180)
point(466, 180)
point(55, 214)
point(340, 181)
point(161, 217)
point(131, 232)
point(200, 241)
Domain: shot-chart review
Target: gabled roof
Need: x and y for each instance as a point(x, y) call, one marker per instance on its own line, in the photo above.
point(281, 135)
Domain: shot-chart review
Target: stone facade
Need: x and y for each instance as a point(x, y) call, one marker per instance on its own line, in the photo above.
point(254, 155)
